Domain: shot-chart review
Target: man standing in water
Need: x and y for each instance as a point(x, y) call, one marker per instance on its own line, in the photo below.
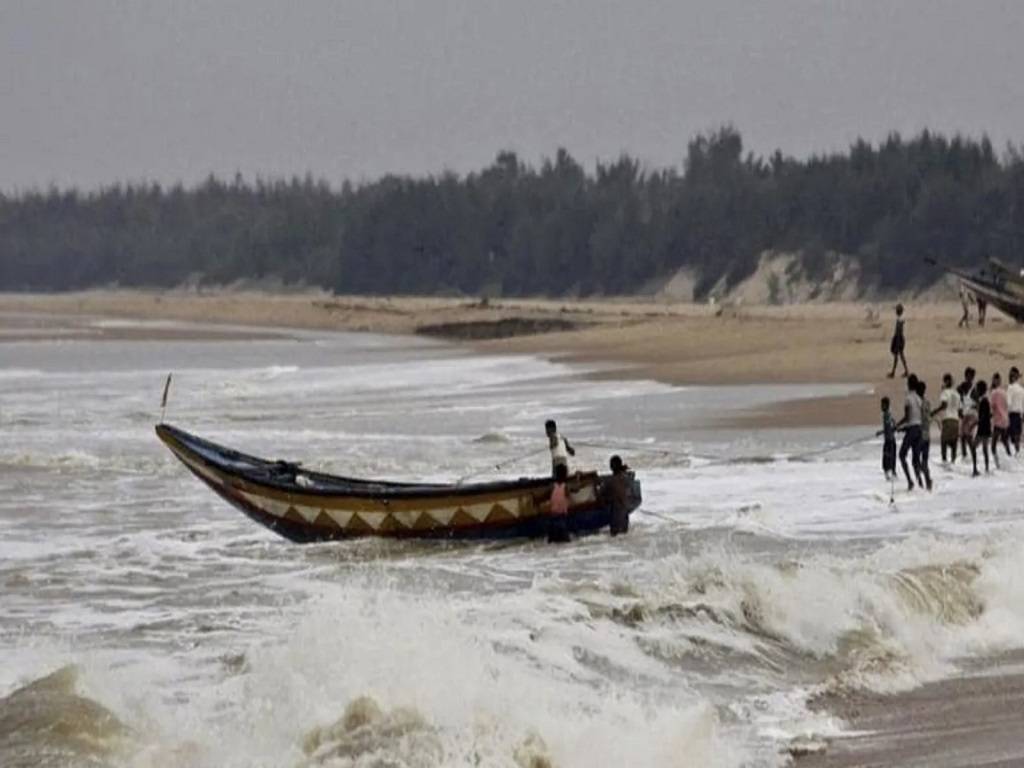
point(949, 407)
point(616, 495)
point(910, 424)
point(1000, 417)
point(898, 344)
point(968, 411)
point(925, 443)
point(558, 513)
point(983, 435)
point(559, 447)
point(1015, 404)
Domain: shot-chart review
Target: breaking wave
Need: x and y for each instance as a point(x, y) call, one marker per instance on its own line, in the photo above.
point(885, 621)
point(47, 723)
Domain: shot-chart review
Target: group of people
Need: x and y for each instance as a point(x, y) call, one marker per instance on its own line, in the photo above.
point(615, 491)
point(971, 415)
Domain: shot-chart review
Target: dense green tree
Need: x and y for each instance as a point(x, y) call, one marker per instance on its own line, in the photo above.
point(516, 229)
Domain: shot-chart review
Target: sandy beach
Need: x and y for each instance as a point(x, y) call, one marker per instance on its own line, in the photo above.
point(970, 720)
point(676, 343)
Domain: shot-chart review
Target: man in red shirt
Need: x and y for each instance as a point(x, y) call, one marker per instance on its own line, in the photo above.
point(1000, 416)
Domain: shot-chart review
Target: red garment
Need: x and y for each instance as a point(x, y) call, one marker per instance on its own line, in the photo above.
point(559, 500)
point(1000, 408)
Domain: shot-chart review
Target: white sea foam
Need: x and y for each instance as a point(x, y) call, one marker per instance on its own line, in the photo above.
point(754, 580)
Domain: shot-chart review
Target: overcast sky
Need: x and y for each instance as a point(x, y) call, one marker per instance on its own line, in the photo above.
point(93, 92)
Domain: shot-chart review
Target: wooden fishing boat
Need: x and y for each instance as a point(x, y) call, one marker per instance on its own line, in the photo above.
point(305, 506)
point(999, 284)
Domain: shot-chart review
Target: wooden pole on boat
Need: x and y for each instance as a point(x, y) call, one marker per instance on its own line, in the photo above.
point(163, 400)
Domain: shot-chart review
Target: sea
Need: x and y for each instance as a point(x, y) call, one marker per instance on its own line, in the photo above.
point(145, 623)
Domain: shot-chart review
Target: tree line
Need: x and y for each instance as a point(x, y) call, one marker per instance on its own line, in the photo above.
point(553, 229)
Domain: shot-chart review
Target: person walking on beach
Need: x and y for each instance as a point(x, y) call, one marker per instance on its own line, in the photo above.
point(888, 435)
point(898, 344)
point(982, 306)
point(968, 411)
point(910, 425)
point(949, 412)
point(1000, 418)
point(965, 302)
point(559, 447)
point(984, 432)
point(1015, 404)
point(558, 513)
point(925, 443)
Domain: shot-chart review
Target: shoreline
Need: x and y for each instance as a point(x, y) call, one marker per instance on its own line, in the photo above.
point(964, 720)
point(680, 344)
point(971, 719)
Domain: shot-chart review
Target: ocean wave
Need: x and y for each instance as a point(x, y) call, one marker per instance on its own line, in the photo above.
point(20, 373)
point(884, 622)
point(48, 723)
point(77, 459)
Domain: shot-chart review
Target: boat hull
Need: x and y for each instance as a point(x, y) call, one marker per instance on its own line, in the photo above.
point(304, 506)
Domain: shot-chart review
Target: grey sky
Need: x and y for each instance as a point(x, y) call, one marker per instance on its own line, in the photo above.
point(92, 92)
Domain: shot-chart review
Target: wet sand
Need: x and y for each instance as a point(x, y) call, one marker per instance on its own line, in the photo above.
point(683, 344)
point(976, 719)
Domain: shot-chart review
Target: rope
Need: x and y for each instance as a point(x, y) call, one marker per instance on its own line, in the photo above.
point(830, 449)
point(712, 460)
point(666, 518)
point(500, 465)
point(719, 460)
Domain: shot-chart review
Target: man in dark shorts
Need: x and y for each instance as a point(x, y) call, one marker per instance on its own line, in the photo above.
point(616, 495)
point(983, 435)
point(925, 443)
point(888, 435)
point(1015, 402)
point(898, 344)
point(968, 411)
point(911, 426)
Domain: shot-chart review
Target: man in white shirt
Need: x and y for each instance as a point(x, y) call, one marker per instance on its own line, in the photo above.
point(910, 424)
point(949, 408)
point(559, 446)
point(1015, 400)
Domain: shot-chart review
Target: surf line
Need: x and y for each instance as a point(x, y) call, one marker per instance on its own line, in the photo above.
point(715, 460)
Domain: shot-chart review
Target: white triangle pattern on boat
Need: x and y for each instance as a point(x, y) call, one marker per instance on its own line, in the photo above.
point(478, 512)
point(406, 519)
point(443, 516)
point(309, 514)
point(270, 506)
point(340, 516)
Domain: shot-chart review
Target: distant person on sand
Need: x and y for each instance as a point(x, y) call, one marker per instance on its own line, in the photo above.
point(1000, 417)
point(925, 443)
point(982, 306)
point(558, 524)
point(888, 435)
point(910, 425)
point(968, 411)
point(1015, 404)
point(559, 446)
point(898, 344)
point(616, 494)
point(949, 409)
point(984, 432)
point(965, 302)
